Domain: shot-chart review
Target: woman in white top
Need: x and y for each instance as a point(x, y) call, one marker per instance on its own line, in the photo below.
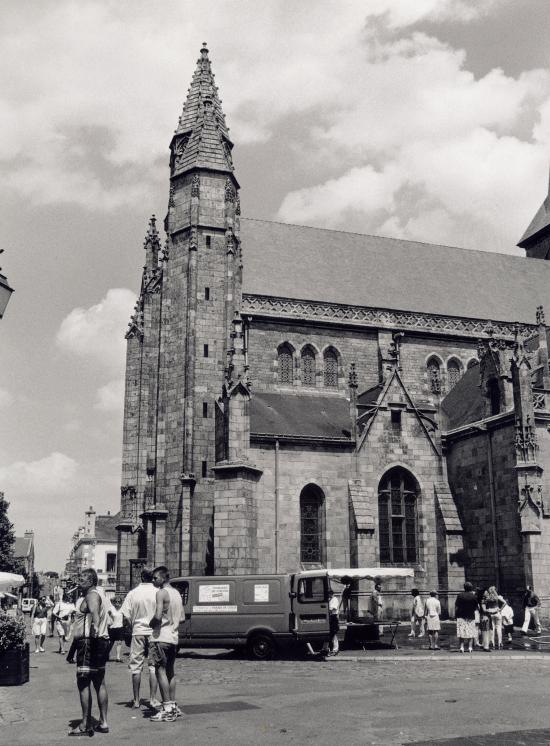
point(63, 613)
point(433, 623)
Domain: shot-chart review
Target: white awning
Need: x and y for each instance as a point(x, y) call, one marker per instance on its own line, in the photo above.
point(362, 573)
point(10, 580)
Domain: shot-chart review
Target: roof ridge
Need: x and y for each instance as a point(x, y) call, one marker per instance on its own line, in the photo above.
point(386, 238)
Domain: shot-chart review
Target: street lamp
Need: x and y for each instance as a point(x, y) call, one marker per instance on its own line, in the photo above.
point(5, 291)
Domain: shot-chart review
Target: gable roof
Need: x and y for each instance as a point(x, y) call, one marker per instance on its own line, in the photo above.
point(464, 403)
point(296, 262)
point(105, 527)
point(300, 415)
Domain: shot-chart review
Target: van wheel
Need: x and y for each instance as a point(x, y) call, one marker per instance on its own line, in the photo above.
point(261, 647)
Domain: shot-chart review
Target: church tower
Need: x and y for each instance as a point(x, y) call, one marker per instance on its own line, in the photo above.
point(178, 344)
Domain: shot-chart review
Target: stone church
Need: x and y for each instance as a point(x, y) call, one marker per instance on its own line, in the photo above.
point(298, 397)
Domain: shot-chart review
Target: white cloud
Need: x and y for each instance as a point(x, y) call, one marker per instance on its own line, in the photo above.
point(47, 476)
point(110, 397)
point(97, 333)
point(6, 399)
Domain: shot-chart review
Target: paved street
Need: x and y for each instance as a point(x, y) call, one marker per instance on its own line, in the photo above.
point(377, 697)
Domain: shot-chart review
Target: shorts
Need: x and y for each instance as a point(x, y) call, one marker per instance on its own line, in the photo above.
point(162, 654)
point(62, 627)
point(92, 655)
point(40, 626)
point(139, 652)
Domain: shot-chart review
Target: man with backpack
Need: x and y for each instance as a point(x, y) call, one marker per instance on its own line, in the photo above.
point(531, 608)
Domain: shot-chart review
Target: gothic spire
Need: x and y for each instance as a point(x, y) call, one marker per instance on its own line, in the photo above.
point(201, 139)
point(151, 245)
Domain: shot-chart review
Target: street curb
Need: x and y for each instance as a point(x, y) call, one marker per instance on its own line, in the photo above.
point(437, 658)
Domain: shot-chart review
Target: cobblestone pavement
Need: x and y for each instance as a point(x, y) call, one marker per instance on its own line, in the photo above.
point(477, 699)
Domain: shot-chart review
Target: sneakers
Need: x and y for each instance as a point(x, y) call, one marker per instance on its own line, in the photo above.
point(179, 713)
point(42, 650)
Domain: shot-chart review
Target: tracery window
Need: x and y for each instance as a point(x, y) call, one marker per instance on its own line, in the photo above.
point(308, 367)
point(454, 373)
point(312, 528)
point(331, 368)
point(397, 517)
point(285, 366)
point(434, 376)
point(493, 392)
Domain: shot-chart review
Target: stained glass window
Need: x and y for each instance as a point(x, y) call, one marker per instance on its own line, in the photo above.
point(285, 364)
point(308, 367)
point(331, 368)
point(454, 372)
point(397, 522)
point(434, 376)
point(311, 525)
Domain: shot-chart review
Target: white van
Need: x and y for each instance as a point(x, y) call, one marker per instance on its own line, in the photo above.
point(28, 604)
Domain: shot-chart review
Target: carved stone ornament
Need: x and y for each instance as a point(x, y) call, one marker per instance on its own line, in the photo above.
point(540, 315)
point(195, 186)
point(238, 206)
point(530, 507)
point(526, 441)
point(229, 191)
point(179, 150)
point(171, 202)
point(374, 317)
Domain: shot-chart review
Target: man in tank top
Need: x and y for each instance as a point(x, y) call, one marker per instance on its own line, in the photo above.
point(164, 642)
point(91, 633)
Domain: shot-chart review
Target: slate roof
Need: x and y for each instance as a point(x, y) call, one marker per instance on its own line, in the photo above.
point(105, 527)
point(300, 415)
point(22, 546)
point(205, 138)
point(296, 262)
point(539, 222)
point(464, 403)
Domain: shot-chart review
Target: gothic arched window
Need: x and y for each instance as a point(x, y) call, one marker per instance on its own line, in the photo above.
point(331, 368)
point(285, 364)
point(434, 375)
point(397, 519)
point(312, 525)
point(308, 367)
point(454, 373)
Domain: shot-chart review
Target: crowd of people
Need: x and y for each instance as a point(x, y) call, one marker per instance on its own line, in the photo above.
point(482, 615)
point(147, 619)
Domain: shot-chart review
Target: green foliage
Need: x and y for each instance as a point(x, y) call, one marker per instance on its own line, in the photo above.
point(8, 563)
point(12, 633)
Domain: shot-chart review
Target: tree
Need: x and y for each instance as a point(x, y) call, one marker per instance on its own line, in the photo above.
point(8, 563)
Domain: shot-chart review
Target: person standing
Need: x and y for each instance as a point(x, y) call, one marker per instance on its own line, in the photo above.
point(164, 642)
point(39, 624)
point(91, 632)
point(491, 605)
point(417, 614)
point(531, 611)
point(62, 613)
point(507, 614)
point(139, 608)
point(116, 630)
point(466, 605)
point(433, 622)
point(331, 647)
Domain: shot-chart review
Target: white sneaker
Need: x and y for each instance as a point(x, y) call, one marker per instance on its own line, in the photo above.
point(42, 650)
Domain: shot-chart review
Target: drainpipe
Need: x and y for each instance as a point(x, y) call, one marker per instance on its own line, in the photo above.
point(276, 506)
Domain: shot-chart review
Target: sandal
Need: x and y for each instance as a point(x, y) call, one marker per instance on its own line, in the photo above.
point(101, 728)
point(76, 732)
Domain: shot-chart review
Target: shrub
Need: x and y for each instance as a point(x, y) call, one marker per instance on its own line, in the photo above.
point(12, 633)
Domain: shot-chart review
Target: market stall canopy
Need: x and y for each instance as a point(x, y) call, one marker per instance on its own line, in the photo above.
point(363, 573)
point(5, 594)
point(10, 580)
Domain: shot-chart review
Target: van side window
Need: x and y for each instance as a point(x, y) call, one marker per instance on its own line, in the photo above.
point(183, 590)
point(312, 590)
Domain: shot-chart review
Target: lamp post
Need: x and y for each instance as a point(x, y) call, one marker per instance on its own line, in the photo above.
point(5, 291)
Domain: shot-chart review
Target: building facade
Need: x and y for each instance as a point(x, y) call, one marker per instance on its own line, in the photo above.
point(94, 545)
point(298, 397)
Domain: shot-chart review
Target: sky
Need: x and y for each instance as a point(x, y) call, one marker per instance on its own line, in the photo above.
point(425, 120)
